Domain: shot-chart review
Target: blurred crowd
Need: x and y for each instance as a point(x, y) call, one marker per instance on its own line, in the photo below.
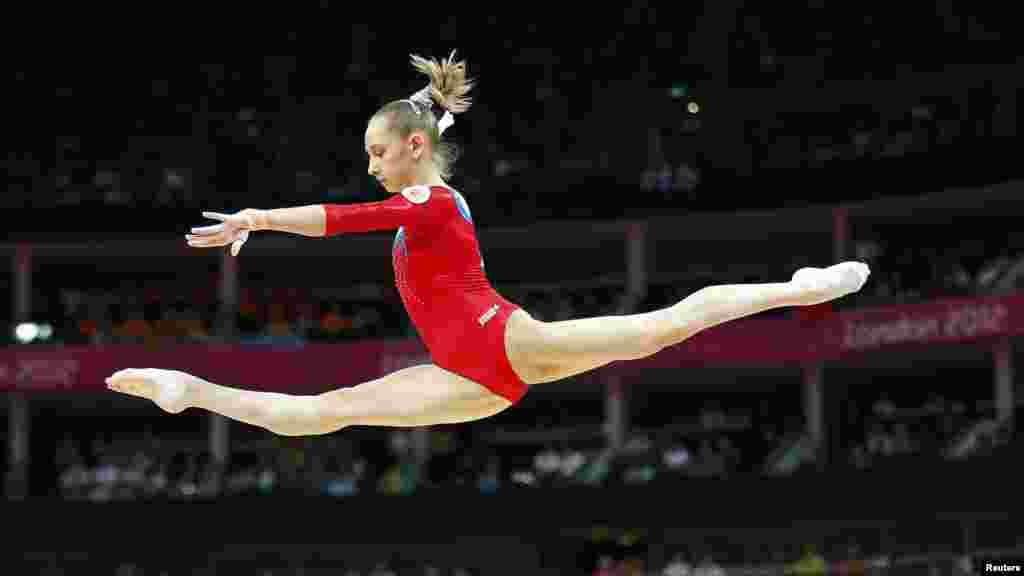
point(936, 427)
point(157, 314)
point(924, 265)
point(721, 442)
point(184, 311)
point(797, 560)
point(309, 166)
point(286, 129)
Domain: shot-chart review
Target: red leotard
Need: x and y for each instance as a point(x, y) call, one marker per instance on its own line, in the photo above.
point(439, 272)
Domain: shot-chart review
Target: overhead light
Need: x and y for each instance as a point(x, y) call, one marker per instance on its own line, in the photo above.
point(26, 332)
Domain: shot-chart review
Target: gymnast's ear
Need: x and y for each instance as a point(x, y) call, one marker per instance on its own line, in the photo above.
point(417, 144)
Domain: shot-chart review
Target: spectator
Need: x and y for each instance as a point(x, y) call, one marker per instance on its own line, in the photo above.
point(605, 566)
point(810, 563)
point(547, 463)
point(852, 564)
point(490, 479)
point(708, 567)
point(382, 569)
point(678, 566)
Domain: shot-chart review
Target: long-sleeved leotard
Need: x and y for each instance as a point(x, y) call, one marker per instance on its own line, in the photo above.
point(439, 273)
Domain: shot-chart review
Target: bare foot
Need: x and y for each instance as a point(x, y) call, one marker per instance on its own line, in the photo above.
point(819, 285)
point(167, 388)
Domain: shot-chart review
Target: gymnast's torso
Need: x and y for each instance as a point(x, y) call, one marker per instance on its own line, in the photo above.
point(438, 266)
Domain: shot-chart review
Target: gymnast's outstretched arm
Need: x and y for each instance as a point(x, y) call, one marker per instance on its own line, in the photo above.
point(316, 220)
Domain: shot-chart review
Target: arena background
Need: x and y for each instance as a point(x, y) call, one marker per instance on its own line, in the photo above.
point(615, 160)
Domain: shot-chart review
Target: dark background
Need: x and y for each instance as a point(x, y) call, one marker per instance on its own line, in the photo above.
point(798, 104)
point(120, 128)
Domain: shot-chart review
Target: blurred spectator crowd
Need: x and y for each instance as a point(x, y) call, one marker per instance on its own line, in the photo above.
point(162, 315)
point(286, 129)
point(721, 442)
point(155, 313)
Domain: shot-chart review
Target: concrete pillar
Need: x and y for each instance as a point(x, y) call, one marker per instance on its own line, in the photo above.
point(220, 438)
point(636, 260)
point(814, 406)
point(1005, 402)
point(18, 421)
point(840, 234)
point(615, 411)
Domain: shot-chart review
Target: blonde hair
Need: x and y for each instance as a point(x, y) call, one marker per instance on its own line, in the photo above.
point(447, 90)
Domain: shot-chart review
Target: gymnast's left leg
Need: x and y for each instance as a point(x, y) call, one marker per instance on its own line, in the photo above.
point(548, 351)
point(416, 396)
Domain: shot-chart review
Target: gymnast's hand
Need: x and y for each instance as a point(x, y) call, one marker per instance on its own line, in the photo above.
point(234, 229)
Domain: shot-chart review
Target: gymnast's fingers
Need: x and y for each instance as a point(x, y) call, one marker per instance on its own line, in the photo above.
point(206, 242)
point(207, 230)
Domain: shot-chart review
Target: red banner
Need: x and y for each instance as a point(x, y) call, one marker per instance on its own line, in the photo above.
point(309, 368)
point(945, 321)
point(312, 368)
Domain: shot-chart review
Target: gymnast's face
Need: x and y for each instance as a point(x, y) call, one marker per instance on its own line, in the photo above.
point(393, 160)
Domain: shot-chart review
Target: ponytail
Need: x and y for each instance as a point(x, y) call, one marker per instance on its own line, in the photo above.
point(443, 97)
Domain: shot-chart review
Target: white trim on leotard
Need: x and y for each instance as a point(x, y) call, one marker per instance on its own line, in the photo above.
point(417, 194)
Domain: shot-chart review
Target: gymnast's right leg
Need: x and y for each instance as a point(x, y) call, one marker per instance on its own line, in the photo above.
point(550, 351)
point(416, 396)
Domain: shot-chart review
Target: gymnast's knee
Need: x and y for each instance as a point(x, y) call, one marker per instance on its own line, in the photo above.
point(307, 416)
point(650, 347)
point(669, 330)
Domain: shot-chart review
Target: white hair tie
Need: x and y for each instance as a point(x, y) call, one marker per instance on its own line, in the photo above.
point(423, 98)
point(447, 120)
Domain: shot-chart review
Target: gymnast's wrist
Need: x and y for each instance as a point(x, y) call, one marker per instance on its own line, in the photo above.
point(259, 219)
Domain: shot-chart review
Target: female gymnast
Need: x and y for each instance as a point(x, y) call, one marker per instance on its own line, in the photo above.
point(486, 351)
